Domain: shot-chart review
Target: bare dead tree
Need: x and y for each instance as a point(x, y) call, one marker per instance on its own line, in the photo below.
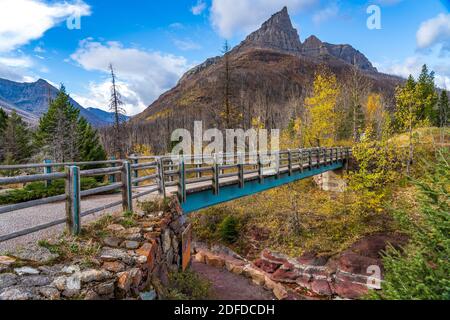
point(115, 106)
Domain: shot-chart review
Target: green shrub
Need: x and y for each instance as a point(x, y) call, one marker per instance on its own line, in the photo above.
point(422, 270)
point(229, 229)
point(187, 286)
point(38, 190)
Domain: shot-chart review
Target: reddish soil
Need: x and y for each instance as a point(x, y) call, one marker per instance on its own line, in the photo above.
point(229, 286)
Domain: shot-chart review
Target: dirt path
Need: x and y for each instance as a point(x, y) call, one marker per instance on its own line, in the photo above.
point(229, 286)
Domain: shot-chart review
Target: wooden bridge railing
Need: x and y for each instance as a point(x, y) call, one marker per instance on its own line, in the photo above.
point(150, 174)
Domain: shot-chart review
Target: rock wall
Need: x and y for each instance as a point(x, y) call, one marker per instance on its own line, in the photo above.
point(131, 264)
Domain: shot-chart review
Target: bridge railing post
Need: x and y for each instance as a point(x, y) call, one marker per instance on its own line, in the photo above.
point(290, 162)
point(73, 200)
point(241, 162)
point(277, 164)
point(112, 177)
point(317, 157)
point(260, 169)
point(135, 171)
point(182, 180)
point(324, 155)
point(310, 159)
point(216, 175)
point(47, 170)
point(161, 178)
point(127, 196)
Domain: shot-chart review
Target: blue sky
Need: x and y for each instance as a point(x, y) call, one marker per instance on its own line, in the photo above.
point(152, 43)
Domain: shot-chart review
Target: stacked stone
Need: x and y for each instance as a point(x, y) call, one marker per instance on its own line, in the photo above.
point(130, 261)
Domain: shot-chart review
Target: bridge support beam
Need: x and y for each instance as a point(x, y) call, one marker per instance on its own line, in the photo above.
point(206, 198)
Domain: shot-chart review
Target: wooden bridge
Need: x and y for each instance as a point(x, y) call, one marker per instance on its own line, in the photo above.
point(199, 182)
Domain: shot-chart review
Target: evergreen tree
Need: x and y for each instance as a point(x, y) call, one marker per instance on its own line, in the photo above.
point(3, 123)
point(3, 120)
point(407, 118)
point(16, 140)
point(90, 148)
point(422, 269)
point(444, 111)
point(65, 136)
point(427, 97)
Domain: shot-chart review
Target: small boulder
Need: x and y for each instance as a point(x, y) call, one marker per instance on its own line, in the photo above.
point(26, 271)
point(115, 228)
point(6, 261)
point(106, 288)
point(35, 253)
point(112, 242)
point(35, 281)
point(50, 293)
point(94, 275)
point(7, 280)
point(113, 266)
point(16, 294)
point(130, 245)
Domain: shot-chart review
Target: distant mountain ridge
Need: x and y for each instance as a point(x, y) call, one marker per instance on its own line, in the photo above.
point(278, 33)
point(271, 73)
point(32, 99)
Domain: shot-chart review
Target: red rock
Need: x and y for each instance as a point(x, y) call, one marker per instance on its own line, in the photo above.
point(304, 281)
point(114, 266)
point(152, 235)
point(373, 245)
point(280, 292)
point(148, 250)
point(214, 260)
point(267, 266)
point(321, 287)
point(287, 273)
point(200, 257)
point(350, 290)
point(273, 257)
point(124, 281)
point(355, 263)
point(312, 259)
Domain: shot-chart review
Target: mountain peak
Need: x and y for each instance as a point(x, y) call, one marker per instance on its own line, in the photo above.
point(276, 33)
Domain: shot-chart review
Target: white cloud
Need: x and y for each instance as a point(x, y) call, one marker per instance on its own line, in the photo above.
point(229, 17)
point(413, 66)
point(16, 67)
point(39, 49)
point(99, 96)
point(325, 14)
point(434, 31)
point(186, 44)
point(145, 75)
point(22, 21)
point(198, 8)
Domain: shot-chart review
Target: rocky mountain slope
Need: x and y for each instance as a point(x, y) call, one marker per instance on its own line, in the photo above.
point(29, 118)
point(31, 101)
point(271, 72)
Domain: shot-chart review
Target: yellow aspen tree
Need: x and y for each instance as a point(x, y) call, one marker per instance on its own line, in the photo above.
point(320, 124)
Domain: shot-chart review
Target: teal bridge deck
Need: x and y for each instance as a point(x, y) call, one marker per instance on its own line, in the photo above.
point(200, 185)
